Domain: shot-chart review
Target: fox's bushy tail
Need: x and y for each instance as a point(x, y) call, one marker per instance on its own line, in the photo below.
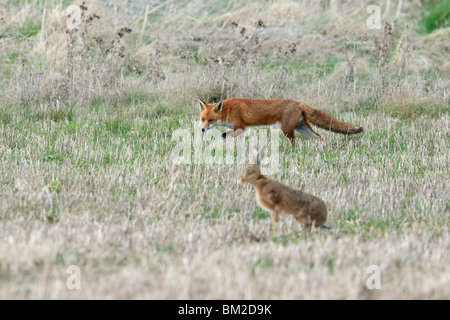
point(327, 122)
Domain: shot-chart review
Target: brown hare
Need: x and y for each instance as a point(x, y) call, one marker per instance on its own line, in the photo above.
point(273, 195)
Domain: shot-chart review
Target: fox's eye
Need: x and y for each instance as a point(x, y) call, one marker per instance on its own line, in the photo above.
point(203, 119)
point(210, 121)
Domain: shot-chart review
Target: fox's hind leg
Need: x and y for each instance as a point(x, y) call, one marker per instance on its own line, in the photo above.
point(289, 122)
point(290, 134)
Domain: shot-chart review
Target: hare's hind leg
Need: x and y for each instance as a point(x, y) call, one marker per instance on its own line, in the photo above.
point(307, 226)
point(306, 223)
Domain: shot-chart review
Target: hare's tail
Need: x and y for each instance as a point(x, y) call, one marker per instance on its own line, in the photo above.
point(326, 229)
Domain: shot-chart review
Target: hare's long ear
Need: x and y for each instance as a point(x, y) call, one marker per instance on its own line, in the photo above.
point(255, 156)
point(202, 104)
point(218, 107)
point(262, 154)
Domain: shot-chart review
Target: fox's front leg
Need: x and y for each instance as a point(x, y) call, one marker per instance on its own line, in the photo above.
point(233, 133)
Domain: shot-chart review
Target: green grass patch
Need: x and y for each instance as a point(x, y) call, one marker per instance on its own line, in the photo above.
point(118, 126)
point(30, 29)
point(6, 115)
point(318, 69)
point(354, 222)
point(383, 224)
point(164, 249)
point(368, 104)
point(438, 16)
point(36, 3)
point(260, 213)
point(260, 264)
point(97, 103)
point(12, 57)
point(53, 216)
point(61, 115)
point(136, 98)
point(215, 213)
point(412, 110)
point(53, 156)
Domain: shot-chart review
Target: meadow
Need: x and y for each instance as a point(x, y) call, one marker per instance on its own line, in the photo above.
point(88, 109)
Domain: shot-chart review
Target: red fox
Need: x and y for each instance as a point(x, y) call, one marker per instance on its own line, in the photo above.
point(292, 116)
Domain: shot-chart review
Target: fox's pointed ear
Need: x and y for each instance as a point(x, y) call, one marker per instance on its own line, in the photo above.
point(218, 107)
point(202, 104)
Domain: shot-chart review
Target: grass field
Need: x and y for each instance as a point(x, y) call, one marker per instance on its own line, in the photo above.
point(87, 172)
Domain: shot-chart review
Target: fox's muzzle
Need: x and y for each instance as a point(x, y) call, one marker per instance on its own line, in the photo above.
point(206, 129)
